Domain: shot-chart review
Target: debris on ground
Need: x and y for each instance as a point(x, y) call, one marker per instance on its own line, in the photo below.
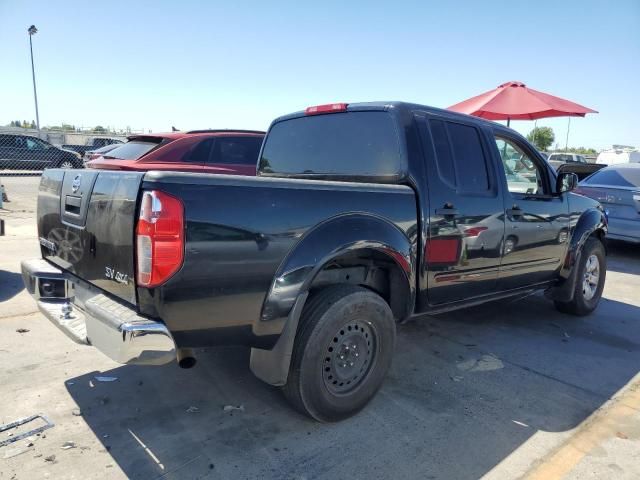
point(231, 408)
point(22, 330)
point(68, 445)
point(456, 378)
point(566, 335)
point(105, 379)
point(76, 412)
point(104, 400)
point(50, 458)
point(23, 421)
point(192, 410)
point(14, 452)
point(70, 383)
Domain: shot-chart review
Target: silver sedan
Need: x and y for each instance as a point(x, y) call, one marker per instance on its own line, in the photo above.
point(617, 188)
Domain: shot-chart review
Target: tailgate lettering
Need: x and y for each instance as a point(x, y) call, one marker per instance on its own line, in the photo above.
point(113, 274)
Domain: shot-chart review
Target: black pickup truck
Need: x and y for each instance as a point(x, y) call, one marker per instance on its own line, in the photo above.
point(361, 217)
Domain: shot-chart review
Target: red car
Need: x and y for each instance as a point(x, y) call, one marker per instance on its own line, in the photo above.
point(233, 152)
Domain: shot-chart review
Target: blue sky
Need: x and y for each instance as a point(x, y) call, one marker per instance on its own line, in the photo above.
point(228, 64)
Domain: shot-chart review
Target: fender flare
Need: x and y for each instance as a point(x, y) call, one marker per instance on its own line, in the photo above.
point(330, 239)
point(590, 221)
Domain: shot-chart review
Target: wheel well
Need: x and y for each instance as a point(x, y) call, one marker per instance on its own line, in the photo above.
point(600, 235)
point(372, 269)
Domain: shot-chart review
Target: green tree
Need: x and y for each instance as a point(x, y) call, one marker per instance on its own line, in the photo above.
point(18, 123)
point(33, 124)
point(541, 137)
point(100, 129)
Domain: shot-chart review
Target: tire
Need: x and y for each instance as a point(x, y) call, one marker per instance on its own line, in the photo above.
point(342, 352)
point(588, 290)
point(66, 164)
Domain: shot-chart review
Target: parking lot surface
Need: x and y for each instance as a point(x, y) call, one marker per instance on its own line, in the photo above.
point(511, 389)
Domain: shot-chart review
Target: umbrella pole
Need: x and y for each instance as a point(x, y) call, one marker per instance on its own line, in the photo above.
point(535, 130)
point(508, 121)
point(566, 143)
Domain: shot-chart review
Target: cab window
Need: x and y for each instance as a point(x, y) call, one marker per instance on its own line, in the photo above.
point(524, 174)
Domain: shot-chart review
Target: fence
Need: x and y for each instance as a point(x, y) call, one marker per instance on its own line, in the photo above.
point(25, 151)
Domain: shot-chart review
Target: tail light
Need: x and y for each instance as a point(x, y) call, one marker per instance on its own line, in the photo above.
point(159, 238)
point(328, 108)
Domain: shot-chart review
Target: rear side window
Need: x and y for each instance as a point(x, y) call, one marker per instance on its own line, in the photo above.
point(132, 150)
point(199, 153)
point(618, 177)
point(236, 150)
point(460, 157)
point(561, 157)
point(339, 144)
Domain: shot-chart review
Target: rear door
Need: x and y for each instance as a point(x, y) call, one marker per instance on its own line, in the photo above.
point(7, 151)
point(236, 155)
point(86, 221)
point(466, 214)
point(536, 221)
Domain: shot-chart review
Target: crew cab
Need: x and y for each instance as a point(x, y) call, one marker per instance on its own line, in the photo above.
point(361, 217)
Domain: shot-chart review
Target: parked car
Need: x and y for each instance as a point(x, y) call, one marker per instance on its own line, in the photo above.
point(93, 154)
point(92, 144)
point(313, 263)
point(619, 154)
point(557, 159)
point(617, 188)
point(572, 163)
point(205, 151)
point(24, 152)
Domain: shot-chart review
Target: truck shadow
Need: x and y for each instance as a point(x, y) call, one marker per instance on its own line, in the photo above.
point(465, 391)
point(623, 257)
point(11, 284)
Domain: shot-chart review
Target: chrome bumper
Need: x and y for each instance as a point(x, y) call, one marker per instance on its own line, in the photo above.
point(89, 317)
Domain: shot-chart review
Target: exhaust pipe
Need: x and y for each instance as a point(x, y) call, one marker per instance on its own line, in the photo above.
point(185, 358)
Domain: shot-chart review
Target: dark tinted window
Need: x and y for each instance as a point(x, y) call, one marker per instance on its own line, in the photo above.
point(444, 158)
point(237, 150)
point(7, 141)
point(561, 157)
point(460, 157)
point(616, 177)
point(339, 144)
point(199, 153)
point(131, 150)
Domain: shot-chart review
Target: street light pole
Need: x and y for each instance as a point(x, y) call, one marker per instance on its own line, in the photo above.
point(32, 31)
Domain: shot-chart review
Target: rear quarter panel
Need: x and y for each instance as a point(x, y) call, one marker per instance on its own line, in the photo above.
point(238, 232)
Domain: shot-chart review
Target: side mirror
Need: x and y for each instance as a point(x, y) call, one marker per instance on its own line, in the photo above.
point(566, 182)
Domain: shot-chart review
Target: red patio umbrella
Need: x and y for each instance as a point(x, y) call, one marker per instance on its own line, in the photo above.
point(516, 101)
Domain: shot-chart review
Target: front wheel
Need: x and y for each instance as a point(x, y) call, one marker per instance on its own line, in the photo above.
point(342, 352)
point(591, 274)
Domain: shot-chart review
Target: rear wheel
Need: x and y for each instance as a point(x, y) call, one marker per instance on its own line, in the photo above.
point(342, 352)
point(66, 164)
point(590, 279)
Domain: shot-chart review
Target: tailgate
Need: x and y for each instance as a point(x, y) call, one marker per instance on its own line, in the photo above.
point(86, 223)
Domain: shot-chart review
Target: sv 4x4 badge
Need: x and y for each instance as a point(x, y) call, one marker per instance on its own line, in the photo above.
point(116, 276)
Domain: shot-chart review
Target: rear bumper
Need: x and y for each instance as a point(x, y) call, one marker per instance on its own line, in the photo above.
point(89, 317)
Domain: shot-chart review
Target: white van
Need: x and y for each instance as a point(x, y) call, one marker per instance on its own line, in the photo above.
point(619, 154)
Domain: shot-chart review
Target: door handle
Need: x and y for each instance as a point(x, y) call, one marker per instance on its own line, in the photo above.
point(448, 212)
point(515, 211)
